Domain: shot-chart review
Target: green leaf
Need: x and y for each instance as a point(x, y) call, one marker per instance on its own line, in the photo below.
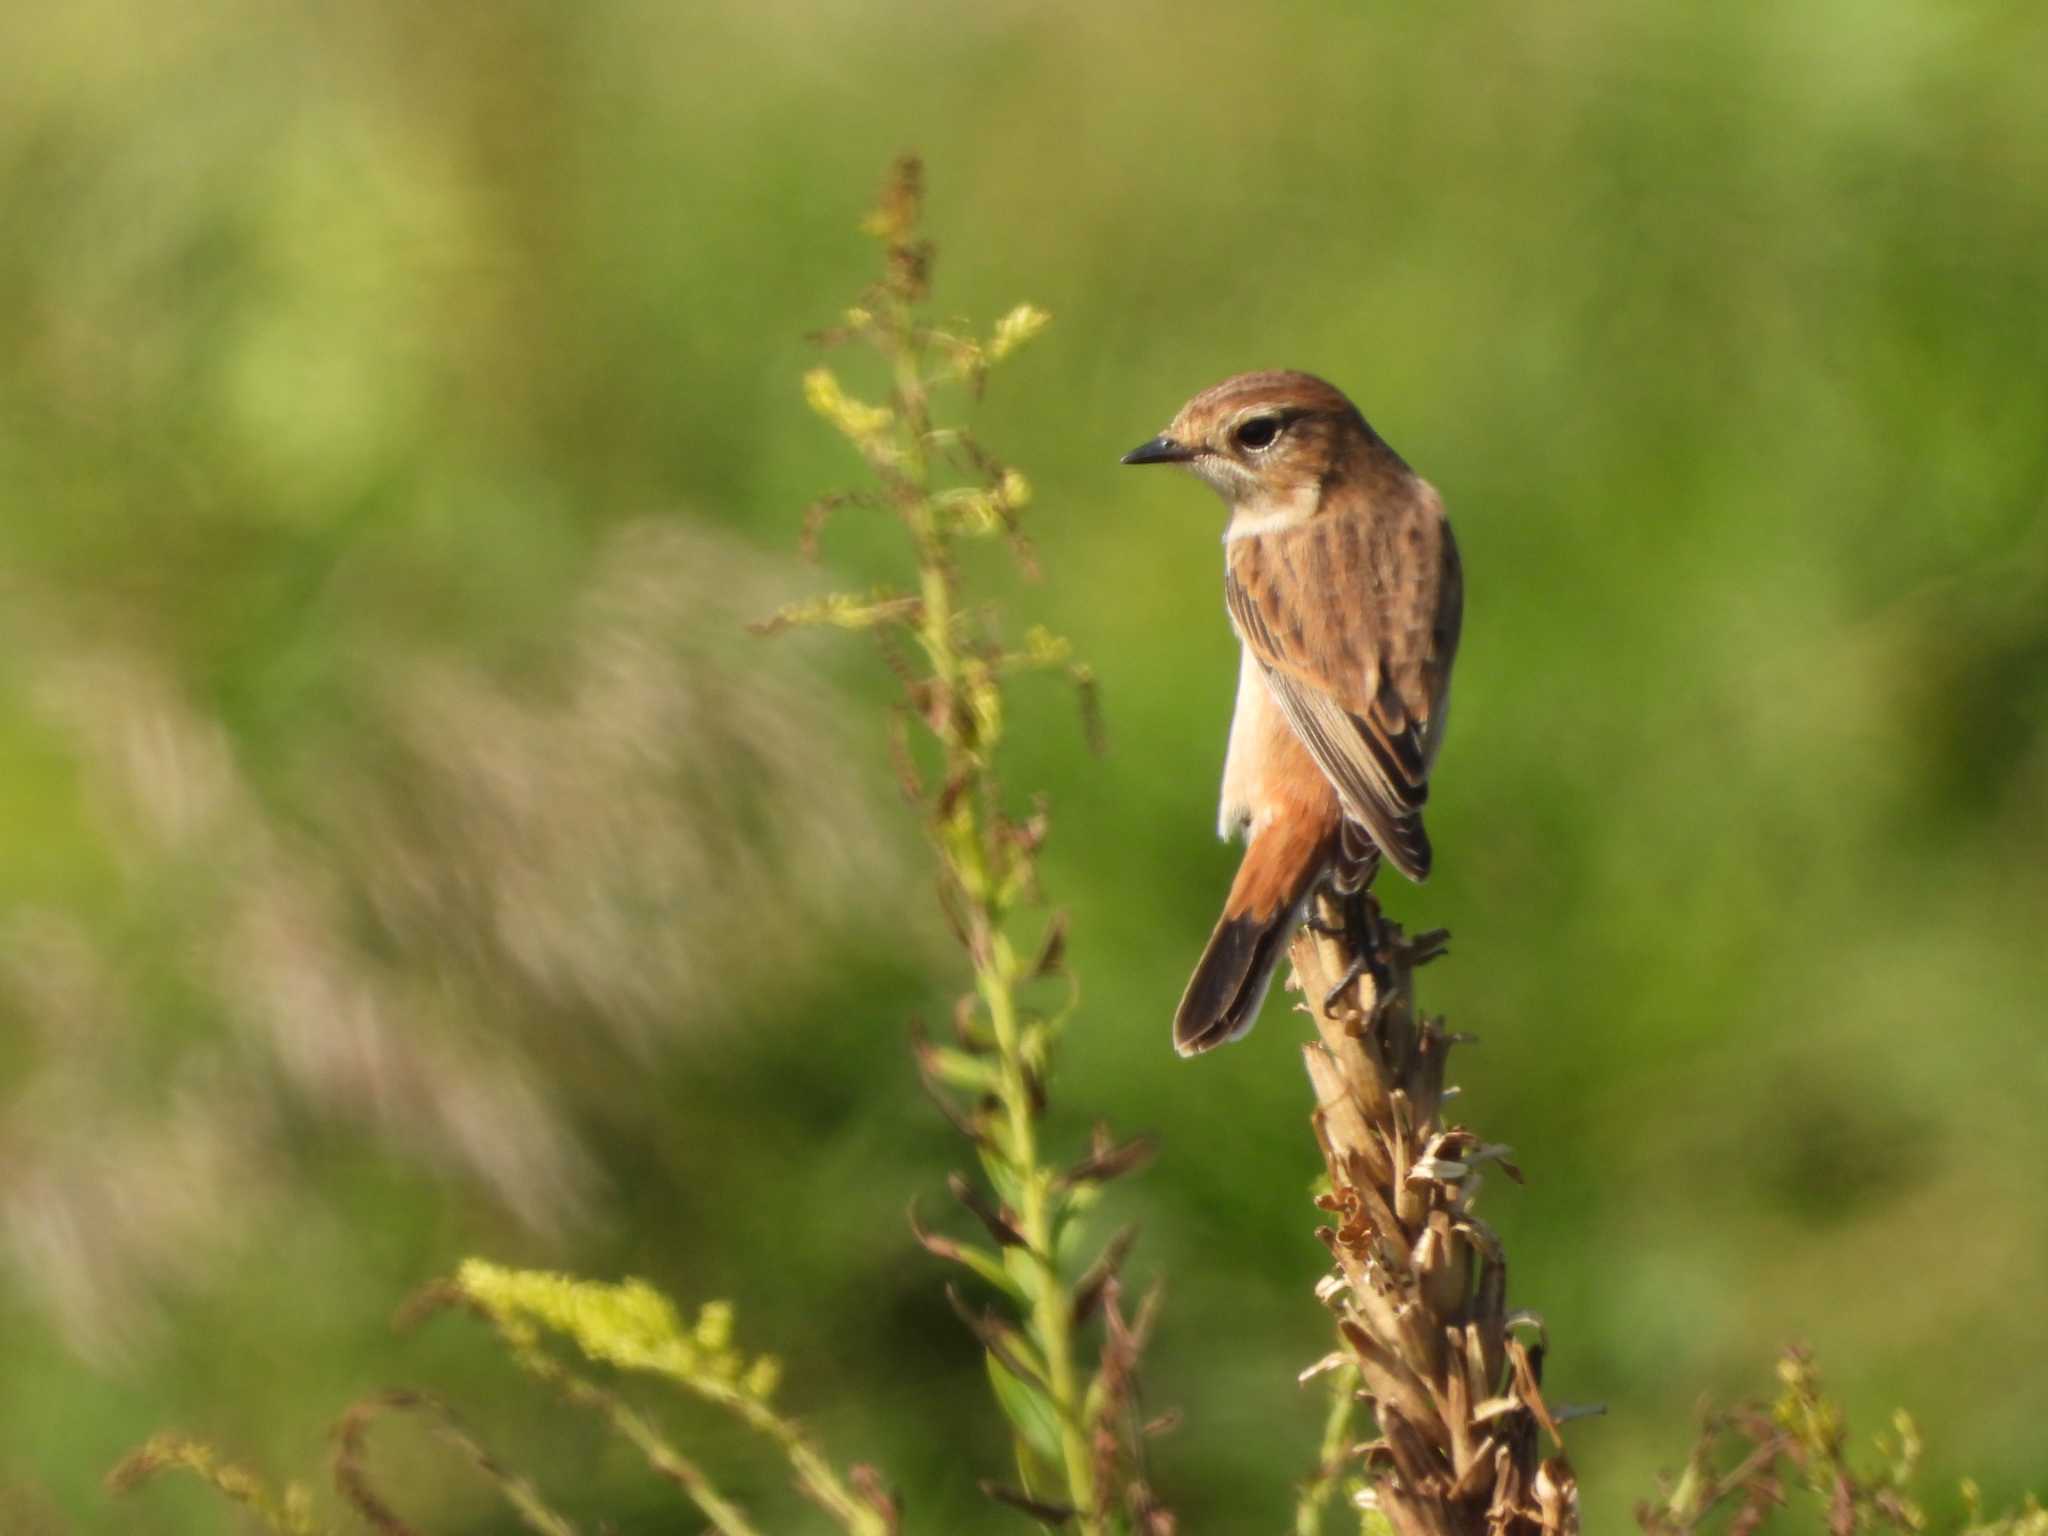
point(980, 1260)
point(988, 1266)
point(1029, 1411)
point(958, 1069)
point(1026, 1272)
point(1002, 1176)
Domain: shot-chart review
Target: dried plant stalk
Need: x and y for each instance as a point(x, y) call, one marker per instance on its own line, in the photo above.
point(1420, 1288)
point(352, 1471)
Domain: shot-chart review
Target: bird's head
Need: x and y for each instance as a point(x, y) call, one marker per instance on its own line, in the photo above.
point(1265, 441)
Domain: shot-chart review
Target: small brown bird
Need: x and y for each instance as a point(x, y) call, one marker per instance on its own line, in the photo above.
point(1342, 582)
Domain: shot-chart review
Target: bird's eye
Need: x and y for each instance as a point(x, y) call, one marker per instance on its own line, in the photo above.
point(1259, 432)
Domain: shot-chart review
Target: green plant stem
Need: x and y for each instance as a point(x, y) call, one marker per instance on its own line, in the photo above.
point(963, 836)
point(995, 968)
point(1051, 1308)
point(351, 1473)
point(724, 1516)
point(727, 1518)
point(1308, 1513)
point(814, 1473)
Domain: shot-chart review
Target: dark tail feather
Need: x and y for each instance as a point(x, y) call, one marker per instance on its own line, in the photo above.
point(1275, 879)
point(1273, 885)
point(1230, 982)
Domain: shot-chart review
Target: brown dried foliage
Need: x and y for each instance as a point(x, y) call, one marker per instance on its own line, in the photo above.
point(1420, 1287)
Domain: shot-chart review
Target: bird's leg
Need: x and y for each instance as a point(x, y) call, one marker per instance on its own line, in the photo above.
point(1333, 893)
point(1358, 967)
point(1360, 931)
point(1321, 926)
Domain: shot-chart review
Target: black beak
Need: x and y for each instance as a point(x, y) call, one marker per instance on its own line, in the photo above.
point(1161, 450)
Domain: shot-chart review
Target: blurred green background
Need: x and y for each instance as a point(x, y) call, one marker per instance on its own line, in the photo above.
point(406, 857)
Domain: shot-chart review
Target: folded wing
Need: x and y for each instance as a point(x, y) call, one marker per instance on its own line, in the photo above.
point(1353, 620)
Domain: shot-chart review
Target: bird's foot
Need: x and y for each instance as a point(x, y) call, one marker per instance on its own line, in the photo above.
point(1359, 931)
point(1359, 966)
point(1363, 966)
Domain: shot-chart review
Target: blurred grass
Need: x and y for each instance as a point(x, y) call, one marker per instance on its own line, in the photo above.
point(329, 338)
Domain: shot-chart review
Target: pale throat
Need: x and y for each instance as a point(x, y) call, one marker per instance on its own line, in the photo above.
point(1269, 511)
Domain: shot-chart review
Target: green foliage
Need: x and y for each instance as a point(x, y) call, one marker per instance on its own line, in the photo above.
point(342, 344)
point(1334, 1453)
point(633, 1327)
point(630, 1326)
point(2030, 1520)
point(1789, 1465)
point(1075, 1434)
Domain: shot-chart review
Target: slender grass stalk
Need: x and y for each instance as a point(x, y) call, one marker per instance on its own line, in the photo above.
point(632, 1327)
point(352, 1471)
point(289, 1513)
point(726, 1517)
point(1336, 1446)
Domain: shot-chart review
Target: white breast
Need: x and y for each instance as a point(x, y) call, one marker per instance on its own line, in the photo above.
point(1251, 724)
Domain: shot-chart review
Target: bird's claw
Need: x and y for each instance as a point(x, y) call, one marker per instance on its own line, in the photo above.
point(1345, 983)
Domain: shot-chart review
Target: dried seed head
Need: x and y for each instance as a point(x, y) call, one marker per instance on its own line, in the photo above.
point(1420, 1287)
